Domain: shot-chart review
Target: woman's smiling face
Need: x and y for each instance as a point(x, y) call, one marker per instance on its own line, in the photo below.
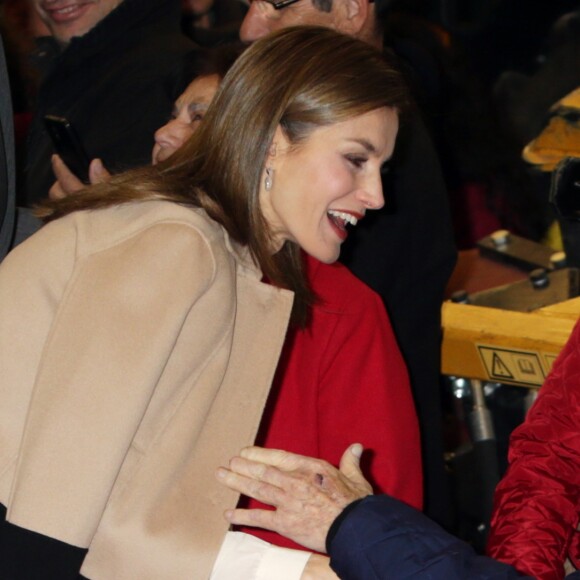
point(328, 181)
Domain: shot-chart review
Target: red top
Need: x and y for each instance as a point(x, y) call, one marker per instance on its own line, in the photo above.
point(342, 380)
point(537, 502)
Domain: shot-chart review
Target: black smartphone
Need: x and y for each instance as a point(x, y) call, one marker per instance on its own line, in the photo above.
point(68, 145)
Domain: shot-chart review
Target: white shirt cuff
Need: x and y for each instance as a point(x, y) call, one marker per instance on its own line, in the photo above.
point(245, 556)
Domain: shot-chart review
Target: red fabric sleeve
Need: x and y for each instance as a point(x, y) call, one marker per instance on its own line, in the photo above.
point(536, 503)
point(343, 380)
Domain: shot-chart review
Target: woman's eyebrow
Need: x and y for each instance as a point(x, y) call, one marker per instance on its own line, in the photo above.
point(365, 143)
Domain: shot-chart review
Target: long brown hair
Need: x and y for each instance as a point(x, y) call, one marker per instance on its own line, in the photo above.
point(299, 78)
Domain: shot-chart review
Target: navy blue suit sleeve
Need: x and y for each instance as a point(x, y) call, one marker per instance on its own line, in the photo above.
point(382, 538)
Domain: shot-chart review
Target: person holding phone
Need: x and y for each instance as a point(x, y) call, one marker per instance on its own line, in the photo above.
point(110, 70)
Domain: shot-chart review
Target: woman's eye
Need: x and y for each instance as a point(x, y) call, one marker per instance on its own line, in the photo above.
point(356, 160)
point(197, 117)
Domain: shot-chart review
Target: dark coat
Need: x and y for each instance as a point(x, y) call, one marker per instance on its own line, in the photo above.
point(116, 85)
point(381, 538)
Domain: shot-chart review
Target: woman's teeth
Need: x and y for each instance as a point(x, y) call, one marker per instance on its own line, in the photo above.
point(347, 218)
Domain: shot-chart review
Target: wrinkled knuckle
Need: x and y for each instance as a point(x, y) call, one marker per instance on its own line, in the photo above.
point(256, 488)
point(300, 487)
point(246, 451)
point(263, 471)
point(283, 456)
point(325, 468)
point(253, 517)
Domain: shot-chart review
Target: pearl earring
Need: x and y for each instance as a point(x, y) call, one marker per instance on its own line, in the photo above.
point(268, 180)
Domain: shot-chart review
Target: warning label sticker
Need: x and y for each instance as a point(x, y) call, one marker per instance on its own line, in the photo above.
point(512, 366)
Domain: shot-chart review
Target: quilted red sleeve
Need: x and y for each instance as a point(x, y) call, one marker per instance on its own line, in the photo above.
point(536, 503)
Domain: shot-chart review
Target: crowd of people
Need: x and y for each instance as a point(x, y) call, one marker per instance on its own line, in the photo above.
point(184, 360)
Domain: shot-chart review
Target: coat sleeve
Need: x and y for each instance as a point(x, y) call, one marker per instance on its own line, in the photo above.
point(245, 556)
point(536, 503)
point(112, 332)
point(382, 538)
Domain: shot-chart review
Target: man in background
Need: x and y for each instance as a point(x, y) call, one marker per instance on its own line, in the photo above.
point(110, 68)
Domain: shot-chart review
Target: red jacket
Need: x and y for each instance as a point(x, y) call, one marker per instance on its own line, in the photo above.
point(342, 380)
point(537, 502)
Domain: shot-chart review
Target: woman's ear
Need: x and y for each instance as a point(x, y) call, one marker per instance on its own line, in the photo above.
point(279, 144)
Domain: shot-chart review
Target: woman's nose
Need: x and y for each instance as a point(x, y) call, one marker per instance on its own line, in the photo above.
point(169, 135)
point(372, 193)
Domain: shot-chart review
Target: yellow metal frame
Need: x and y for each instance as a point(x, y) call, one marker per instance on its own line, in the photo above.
point(505, 346)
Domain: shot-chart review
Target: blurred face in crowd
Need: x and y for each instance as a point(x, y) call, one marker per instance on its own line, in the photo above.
point(325, 184)
point(68, 18)
point(189, 110)
point(262, 18)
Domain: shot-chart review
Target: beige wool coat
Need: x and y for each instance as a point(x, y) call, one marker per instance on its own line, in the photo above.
point(137, 347)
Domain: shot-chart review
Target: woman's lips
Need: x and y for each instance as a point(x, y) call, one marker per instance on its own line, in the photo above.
point(338, 226)
point(340, 218)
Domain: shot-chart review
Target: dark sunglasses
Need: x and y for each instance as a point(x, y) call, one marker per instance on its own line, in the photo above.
point(279, 4)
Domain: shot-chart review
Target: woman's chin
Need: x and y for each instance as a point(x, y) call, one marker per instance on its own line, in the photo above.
point(326, 256)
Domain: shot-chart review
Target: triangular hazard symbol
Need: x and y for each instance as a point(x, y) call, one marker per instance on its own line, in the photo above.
point(499, 369)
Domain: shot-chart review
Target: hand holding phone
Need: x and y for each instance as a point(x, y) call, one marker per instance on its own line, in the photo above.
point(68, 145)
point(67, 183)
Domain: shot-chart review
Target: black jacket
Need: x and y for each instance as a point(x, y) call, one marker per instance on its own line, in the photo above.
point(116, 85)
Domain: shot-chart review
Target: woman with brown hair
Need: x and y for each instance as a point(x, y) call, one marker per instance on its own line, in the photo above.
point(138, 342)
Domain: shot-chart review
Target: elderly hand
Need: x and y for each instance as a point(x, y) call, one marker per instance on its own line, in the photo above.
point(308, 493)
point(67, 183)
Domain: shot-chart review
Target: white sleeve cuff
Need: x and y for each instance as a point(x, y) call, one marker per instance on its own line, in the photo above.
point(245, 556)
point(282, 564)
